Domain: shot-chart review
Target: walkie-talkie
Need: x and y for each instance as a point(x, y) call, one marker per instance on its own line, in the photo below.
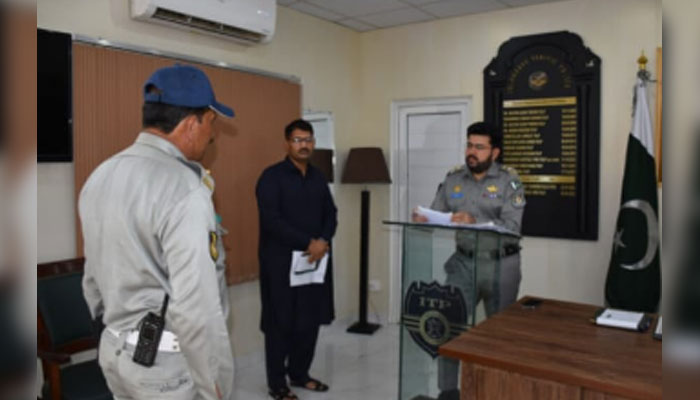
point(150, 330)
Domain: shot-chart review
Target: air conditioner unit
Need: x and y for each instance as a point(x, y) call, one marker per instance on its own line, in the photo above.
point(247, 21)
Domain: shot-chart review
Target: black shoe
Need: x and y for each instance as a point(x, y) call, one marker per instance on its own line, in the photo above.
point(282, 393)
point(315, 385)
point(452, 394)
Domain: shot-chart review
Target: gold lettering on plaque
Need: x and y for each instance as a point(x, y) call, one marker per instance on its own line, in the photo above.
point(524, 121)
point(541, 102)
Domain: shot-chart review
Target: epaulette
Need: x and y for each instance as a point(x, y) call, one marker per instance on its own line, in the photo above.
point(457, 168)
point(515, 181)
point(208, 181)
point(510, 170)
point(191, 166)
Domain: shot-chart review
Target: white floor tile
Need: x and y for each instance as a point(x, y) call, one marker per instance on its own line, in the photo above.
point(356, 367)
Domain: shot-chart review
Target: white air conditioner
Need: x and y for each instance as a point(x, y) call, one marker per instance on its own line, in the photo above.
point(248, 21)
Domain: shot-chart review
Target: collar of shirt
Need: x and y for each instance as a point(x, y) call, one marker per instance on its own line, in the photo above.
point(159, 143)
point(293, 168)
point(149, 139)
point(492, 172)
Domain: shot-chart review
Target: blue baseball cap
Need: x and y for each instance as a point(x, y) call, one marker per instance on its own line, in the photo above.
point(184, 86)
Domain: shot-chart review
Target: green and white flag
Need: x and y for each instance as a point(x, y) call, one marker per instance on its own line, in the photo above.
point(634, 275)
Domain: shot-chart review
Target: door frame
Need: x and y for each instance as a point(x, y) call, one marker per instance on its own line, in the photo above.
point(398, 170)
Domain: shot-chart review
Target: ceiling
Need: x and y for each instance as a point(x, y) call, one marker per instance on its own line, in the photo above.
point(367, 15)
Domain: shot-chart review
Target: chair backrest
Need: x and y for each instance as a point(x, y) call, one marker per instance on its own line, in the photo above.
point(16, 353)
point(64, 322)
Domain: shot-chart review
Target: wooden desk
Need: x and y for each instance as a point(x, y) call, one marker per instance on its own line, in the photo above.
point(555, 352)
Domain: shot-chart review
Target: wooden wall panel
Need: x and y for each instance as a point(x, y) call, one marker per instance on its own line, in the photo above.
point(107, 103)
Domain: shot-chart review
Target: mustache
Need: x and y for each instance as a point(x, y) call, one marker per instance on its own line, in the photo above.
point(472, 158)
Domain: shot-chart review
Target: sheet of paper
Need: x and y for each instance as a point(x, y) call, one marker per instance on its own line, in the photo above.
point(658, 330)
point(443, 218)
point(302, 272)
point(435, 217)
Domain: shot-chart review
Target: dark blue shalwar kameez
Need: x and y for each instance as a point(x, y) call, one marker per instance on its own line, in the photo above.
point(293, 209)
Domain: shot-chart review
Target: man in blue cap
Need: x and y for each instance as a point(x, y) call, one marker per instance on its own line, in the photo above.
point(151, 249)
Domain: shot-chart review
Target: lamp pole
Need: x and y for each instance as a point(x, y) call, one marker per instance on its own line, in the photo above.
point(362, 326)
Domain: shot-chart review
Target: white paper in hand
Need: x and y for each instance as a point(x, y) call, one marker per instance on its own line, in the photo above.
point(434, 217)
point(302, 272)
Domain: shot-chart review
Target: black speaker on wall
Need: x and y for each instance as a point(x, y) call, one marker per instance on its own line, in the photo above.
point(54, 97)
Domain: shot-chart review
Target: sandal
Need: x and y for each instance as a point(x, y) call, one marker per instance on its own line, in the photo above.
point(282, 393)
point(318, 386)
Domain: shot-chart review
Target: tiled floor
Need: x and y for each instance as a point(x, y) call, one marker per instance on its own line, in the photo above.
point(356, 367)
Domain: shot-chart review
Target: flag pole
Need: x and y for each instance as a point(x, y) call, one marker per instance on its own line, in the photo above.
point(634, 275)
point(643, 74)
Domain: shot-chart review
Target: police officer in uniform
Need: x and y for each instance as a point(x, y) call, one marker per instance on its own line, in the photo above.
point(150, 230)
point(479, 191)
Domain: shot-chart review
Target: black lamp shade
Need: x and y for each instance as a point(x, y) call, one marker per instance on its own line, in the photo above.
point(366, 165)
point(323, 160)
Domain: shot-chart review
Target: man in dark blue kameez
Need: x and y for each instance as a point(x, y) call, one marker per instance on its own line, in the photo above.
point(296, 213)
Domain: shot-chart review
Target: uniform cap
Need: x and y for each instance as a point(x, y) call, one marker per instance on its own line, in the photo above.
point(184, 86)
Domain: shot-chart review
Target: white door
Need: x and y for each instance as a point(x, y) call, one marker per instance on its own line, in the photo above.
point(428, 139)
point(434, 143)
point(324, 133)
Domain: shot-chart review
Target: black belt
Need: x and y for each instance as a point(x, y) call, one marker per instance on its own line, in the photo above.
point(495, 254)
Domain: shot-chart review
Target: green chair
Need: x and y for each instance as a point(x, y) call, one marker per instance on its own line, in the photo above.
point(65, 328)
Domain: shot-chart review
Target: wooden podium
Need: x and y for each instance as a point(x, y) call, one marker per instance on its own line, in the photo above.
point(554, 351)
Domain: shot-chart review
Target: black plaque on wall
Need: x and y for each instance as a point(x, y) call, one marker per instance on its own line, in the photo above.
point(544, 91)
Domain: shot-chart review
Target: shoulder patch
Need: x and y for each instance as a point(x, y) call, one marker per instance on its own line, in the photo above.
point(213, 249)
point(516, 184)
point(456, 169)
point(519, 201)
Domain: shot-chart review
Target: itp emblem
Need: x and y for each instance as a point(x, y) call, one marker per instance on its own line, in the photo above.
point(434, 314)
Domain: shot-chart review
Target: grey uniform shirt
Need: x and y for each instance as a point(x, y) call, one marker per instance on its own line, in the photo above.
point(147, 219)
point(498, 197)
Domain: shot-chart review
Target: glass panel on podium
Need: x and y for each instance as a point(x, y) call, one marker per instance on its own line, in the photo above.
point(443, 270)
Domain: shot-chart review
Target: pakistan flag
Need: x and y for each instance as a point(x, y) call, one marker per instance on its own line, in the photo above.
point(634, 275)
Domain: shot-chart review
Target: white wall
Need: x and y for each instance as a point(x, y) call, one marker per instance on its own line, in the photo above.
point(55, 212)
point(446, 58)
point(356, 76)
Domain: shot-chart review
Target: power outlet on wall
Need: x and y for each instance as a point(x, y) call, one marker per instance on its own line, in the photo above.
point(375, 285)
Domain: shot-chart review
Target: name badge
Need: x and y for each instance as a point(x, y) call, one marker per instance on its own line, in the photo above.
point(458, 195)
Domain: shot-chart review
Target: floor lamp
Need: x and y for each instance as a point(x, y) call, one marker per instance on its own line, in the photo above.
point(365, 165)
